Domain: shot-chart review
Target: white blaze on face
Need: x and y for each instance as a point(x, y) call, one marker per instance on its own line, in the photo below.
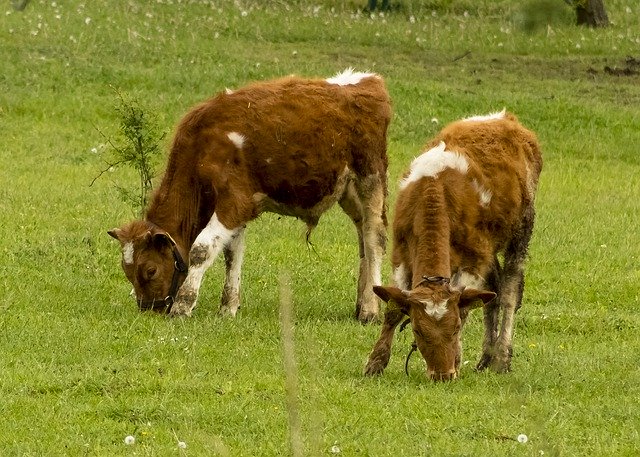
point(433, 162)
point(348, 77)
point(127, 253)
point(435, 310)
point(488, 117)
point(236, 138)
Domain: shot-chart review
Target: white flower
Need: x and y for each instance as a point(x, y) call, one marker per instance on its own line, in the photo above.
point(182, 445)
point(244, 14)
point(522, 438)
point(335, 449)
point(434, 120)
point(87, 20)
point(129, 440)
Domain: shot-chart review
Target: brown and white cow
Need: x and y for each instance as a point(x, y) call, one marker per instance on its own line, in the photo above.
point(291, 146)
point(465, 202)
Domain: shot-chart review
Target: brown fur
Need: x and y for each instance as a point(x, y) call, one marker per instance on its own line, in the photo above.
point(442, 229)
point(307, 144)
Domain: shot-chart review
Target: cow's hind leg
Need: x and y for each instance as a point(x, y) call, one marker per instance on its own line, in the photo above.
point(351, 205)
point(381, 352)
point(204, 251)
point(233, 255)
point(371, 193)
point(511, 290)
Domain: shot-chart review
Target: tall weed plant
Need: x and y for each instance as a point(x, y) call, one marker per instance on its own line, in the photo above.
point(137, 147)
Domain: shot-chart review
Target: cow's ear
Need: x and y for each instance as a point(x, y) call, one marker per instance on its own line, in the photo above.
point(474, 298)
point(393, 295)
point(162, 239)
point(116, 233)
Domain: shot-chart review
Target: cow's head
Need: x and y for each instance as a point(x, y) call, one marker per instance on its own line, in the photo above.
point(437, 312)
point(153, 264)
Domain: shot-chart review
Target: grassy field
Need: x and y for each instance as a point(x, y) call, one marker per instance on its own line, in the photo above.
point(81, 368)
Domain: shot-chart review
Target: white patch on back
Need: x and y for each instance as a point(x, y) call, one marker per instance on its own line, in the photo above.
point(484, 193)
point(435, 310)
point(433, 162)
point(127, 253)
point(488, 117)
point(236, 138)
point(348, 77)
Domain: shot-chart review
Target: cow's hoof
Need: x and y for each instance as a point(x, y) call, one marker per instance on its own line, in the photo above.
point(367, 317)
point(228, 310)
point(180, 309)
point(373, 368)
point(501, 365)
point(484, 362)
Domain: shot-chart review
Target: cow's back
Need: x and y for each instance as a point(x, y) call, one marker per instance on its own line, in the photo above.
point(298, 136)
point(483, 201)
point(504, 163)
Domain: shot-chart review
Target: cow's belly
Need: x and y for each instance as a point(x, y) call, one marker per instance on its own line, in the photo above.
point(305, 200)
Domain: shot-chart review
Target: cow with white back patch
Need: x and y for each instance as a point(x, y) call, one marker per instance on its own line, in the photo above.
point(291, 146)
point(467, 201)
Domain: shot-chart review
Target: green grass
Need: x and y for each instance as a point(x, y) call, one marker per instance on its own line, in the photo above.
point(81, 368)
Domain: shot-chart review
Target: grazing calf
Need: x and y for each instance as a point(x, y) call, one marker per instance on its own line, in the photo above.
point(465, 202)
point(291, 146)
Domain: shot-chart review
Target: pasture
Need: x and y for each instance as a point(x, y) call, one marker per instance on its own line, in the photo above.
point(81, 368)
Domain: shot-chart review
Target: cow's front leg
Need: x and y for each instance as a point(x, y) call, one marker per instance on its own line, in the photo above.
point(381, 352)
point(204, 251)
point(233, 255)
point(491, 319)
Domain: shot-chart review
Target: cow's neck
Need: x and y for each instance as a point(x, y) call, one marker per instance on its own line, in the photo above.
point(175, 208)
point(432, 237)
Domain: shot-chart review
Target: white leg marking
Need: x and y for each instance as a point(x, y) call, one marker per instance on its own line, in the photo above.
point(231, 291)
point(204, 251)
point(473, 281)
point(401, 277)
